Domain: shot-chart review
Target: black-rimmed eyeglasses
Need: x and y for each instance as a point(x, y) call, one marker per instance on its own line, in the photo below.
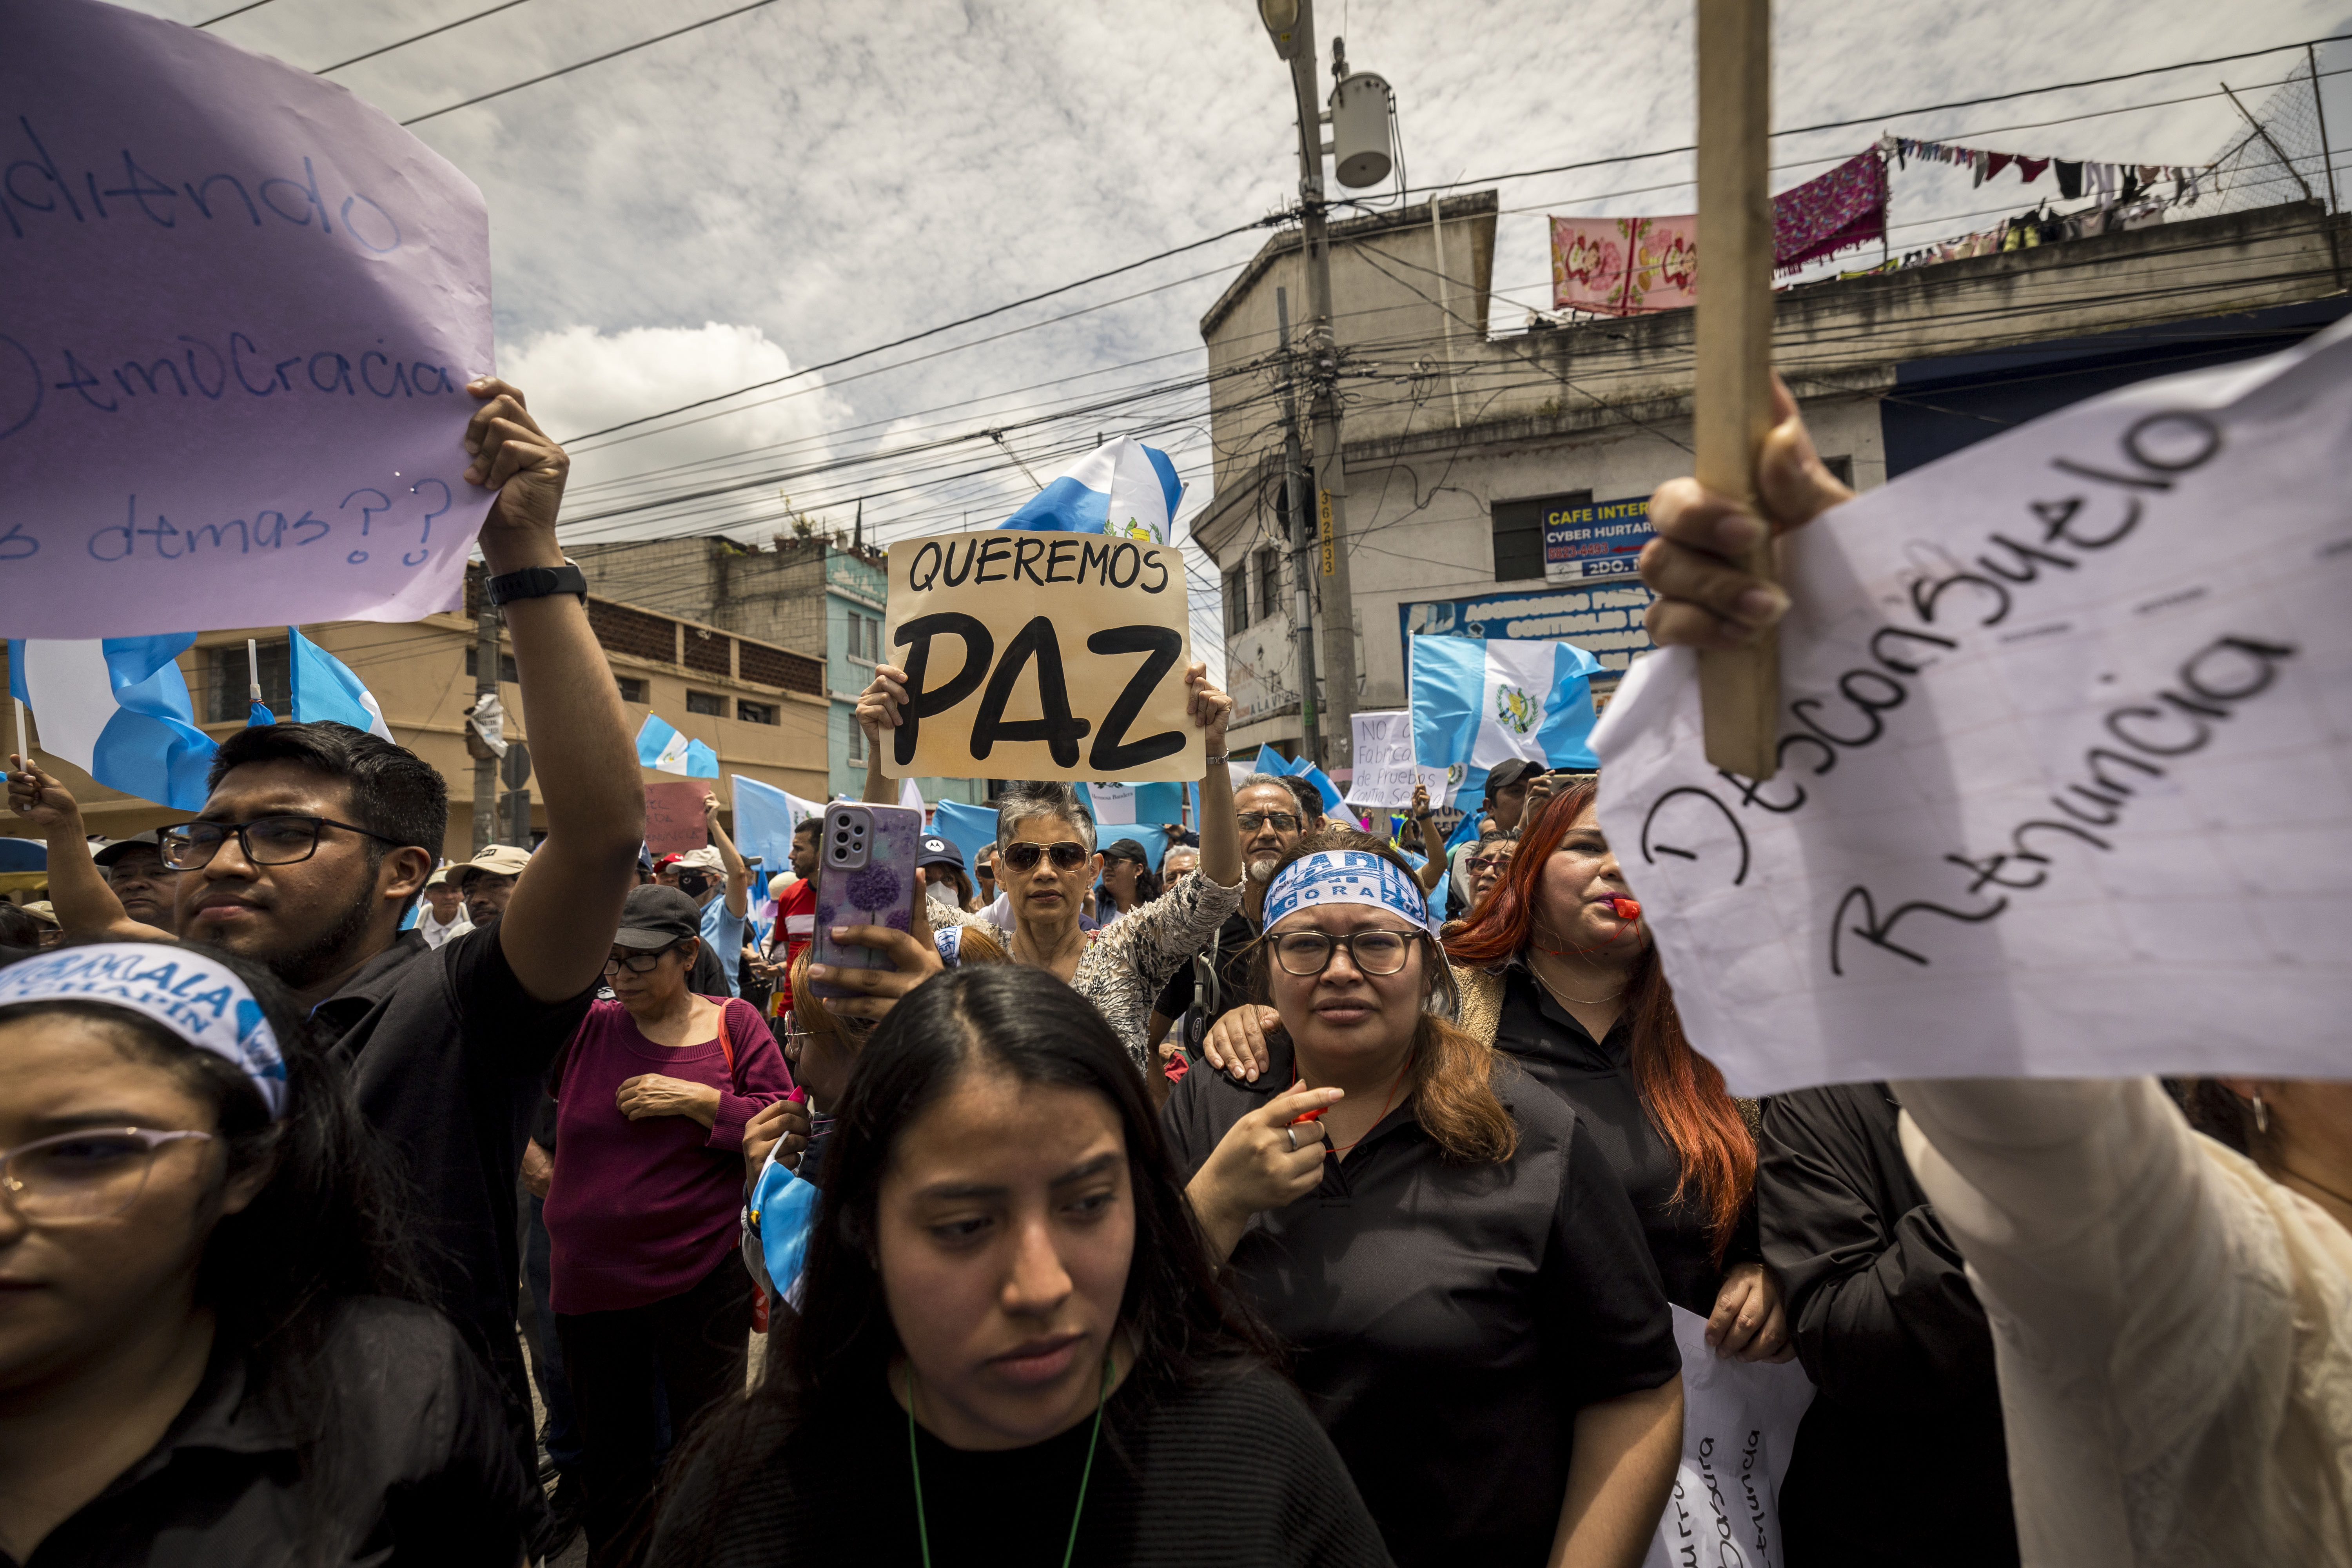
point(264, 840)
point(1374, 952)
point(638, 962)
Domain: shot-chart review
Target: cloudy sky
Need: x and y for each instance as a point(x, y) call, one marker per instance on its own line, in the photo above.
point(807, 180)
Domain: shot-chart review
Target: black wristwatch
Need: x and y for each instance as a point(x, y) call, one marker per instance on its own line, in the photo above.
point(539, 583)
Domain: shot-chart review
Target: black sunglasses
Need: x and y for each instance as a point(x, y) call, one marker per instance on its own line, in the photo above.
point(1067, 856)
point(1251, 821)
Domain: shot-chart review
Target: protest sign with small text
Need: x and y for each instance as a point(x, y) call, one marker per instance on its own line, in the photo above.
point(1043, 655)
point(2065, 781)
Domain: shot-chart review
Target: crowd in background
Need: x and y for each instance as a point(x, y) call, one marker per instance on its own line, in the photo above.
point(1310, 1199)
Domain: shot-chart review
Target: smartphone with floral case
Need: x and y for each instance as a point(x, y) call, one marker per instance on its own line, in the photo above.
point(865, 876)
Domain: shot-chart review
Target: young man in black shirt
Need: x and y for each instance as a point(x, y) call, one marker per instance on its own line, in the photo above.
point(317, 839)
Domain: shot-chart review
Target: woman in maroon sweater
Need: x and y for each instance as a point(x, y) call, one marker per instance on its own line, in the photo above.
point(651, 1099)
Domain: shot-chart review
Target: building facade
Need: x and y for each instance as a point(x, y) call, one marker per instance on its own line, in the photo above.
point(811, 593)
point(1496, 484)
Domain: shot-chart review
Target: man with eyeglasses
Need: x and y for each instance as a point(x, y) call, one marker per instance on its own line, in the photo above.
point(1271, 823)
point(315, 841)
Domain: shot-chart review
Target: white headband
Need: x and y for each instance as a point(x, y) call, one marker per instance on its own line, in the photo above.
point(201, 1000)
point(1345, 876)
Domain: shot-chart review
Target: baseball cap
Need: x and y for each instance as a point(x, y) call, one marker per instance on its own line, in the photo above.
point(937, 851)
point(703, 859)
point(152, 838)
point(1508, 772)
point(1126, 849)
point(497, 859)
point(656, 917)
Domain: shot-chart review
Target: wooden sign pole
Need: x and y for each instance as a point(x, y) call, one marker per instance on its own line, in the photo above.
point(1740, 690)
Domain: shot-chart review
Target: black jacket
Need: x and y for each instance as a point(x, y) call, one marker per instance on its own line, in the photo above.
point(1901, 1454)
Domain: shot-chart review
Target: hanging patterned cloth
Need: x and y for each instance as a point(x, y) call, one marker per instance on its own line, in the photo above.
point(1845, 207)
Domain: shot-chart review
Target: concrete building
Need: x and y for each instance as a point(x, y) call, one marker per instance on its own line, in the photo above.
point(760, 706)
point(811, 593)
point(1464, 446)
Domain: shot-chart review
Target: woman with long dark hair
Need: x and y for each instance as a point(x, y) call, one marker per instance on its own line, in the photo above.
point(1451, 1260)
point(211, 1350)
point(1012, 1346)
point(1558, 972)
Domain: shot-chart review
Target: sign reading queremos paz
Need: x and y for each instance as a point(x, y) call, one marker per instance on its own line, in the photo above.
point(1040, 655)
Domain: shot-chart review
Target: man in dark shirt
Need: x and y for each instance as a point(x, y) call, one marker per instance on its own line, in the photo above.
point(1890, 1332)
point(445, 1048)
point(1270, 825)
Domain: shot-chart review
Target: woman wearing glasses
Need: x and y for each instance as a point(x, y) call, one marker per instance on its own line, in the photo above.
point(652, 1096)
point(210, 1350)
point(1045, 861)
point(1462, 1282)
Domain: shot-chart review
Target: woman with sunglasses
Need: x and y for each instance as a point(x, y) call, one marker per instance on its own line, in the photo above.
point(210, 1347)
point(1445, 1249)
point(652, 1097)
point(1046, 862)
point(1012, 1348)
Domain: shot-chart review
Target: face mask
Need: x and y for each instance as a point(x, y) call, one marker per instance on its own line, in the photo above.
point(693, 884)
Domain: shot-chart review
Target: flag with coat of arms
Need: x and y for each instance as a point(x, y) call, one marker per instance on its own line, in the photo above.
point(661, 747)
point(1122, 487)
point(1478, 702)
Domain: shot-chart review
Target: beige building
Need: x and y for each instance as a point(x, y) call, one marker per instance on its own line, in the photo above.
point(762, 707)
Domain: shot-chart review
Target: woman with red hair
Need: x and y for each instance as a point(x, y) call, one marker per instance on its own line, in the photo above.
point(1558, 971)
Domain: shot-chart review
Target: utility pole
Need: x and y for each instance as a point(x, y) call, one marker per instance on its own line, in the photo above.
point(1294, 482)
point(485, 685)
point(1296, 43)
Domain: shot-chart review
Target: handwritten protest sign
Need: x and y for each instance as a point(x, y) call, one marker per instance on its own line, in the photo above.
point(1040, 655)
point(1385, 772)
point(674, 820)
point(2065, 749)
point(242, 306)
point(1740, 1429)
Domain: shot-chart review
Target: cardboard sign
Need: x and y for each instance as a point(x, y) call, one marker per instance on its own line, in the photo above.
point(1040, 655)
point(674, 821)
point(241, 310)
point(2066, 782)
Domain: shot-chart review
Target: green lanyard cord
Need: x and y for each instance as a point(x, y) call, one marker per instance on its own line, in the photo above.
point(915, 1462)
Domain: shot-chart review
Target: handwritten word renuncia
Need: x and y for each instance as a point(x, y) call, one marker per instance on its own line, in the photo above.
point(2067, 530)
point(235, 366)
point(38, 190)
point(367, 520)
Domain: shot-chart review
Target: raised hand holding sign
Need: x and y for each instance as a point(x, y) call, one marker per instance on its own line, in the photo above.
point(242, 313)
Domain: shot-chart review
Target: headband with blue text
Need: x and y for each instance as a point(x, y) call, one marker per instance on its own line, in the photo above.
point(1345, 876)
point(201, 1000)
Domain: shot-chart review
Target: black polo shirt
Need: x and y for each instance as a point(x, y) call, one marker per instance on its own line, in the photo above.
point(1596, 1078)
point(415, 1464)
point(1447, 1321)
point(446, 1052)
point(1234, 982)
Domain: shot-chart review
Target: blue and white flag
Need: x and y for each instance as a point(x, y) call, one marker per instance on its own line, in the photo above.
point(326, 689)
point(1479, 701)
point(1121, 488)
point(118, 708)
point(663, 748)
point(1270, 760)
point(765, 817)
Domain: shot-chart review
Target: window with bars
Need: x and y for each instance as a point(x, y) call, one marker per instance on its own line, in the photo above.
point(230, 699)
point(706, 702)
point(1237, 600)
point(632, 688)
point(755, 712)
point(1270, 584)
point(865, 638)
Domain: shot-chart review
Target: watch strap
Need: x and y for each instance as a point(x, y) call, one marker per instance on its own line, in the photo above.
point(539, 583)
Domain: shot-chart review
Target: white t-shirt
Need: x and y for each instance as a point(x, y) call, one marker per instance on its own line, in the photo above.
point(436, 933)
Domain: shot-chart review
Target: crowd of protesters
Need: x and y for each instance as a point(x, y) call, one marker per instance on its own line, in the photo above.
point(1305, 1200)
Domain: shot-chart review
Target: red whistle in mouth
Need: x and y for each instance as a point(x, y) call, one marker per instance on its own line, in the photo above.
point(1626, 909)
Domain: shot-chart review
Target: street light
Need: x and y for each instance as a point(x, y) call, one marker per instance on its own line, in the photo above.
point(1281, 19)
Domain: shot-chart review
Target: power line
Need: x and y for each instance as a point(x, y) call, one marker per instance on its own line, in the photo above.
point(583, 65)
point(240, 11)
point(418, 37)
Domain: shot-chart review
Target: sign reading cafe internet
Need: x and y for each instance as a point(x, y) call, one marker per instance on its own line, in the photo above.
point(1040, 655)
point(242, 307)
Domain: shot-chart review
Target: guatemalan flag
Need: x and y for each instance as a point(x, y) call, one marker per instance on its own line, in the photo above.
point(118, 708)
point(1477, 701)
point(662, 747)
point(325, 688)
point(1122, 487)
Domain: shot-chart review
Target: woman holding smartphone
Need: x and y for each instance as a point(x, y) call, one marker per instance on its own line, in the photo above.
point(1047, 860)
point(1012, 1348)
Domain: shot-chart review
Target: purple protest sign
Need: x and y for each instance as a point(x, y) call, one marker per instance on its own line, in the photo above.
point(241, 312)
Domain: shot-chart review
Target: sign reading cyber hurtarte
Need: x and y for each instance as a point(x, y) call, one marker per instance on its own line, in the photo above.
point(1040, 655)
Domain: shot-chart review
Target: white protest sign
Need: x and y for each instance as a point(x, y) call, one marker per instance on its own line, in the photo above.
point(1385, 770)
point(2064, 785)
point(1114, 804)
point(241, 309)
point(1739, 1427)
